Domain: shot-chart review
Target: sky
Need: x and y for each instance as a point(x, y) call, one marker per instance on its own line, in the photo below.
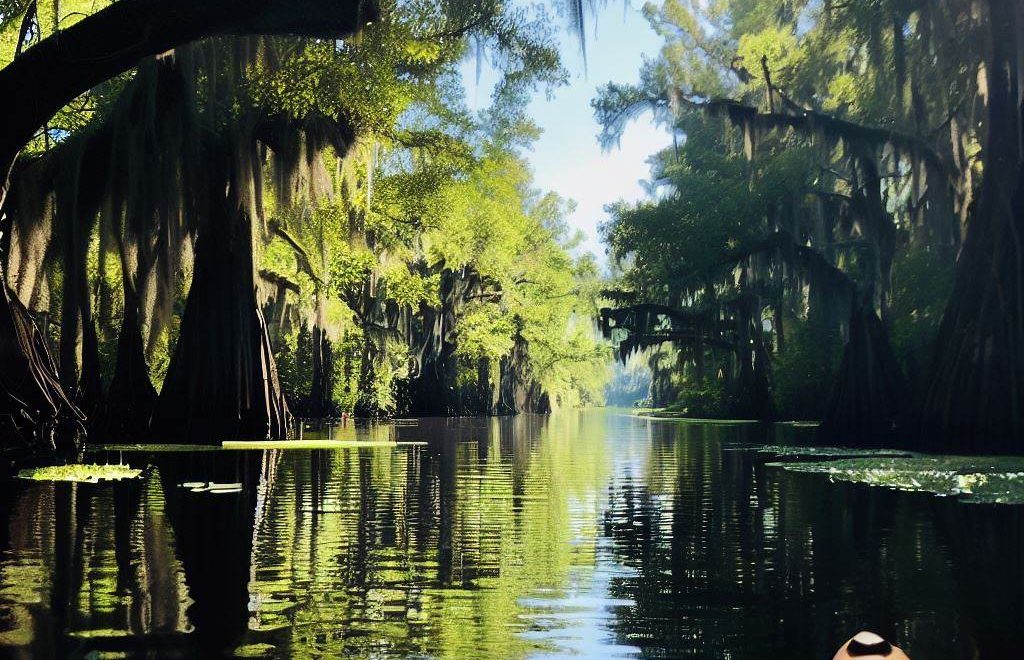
point(567, 158)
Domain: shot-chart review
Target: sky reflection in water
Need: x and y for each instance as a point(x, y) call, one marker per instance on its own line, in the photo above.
point(587, 534)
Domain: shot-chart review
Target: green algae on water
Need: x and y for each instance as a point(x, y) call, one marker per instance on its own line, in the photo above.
point(796, 452)
point(997, 480)
point(254, 650)
point(100, 633)
point(680, 417)
point(82, 473)
point(155, 448)
point(313, 444)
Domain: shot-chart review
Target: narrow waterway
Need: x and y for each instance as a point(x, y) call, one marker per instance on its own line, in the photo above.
point(593, 534)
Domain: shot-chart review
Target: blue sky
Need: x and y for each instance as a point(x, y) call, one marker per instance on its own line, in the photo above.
point(567, 158)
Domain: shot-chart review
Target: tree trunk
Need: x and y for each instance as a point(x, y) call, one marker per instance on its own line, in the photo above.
point(752, 397)
point(50, 74)
point(222, 382)
point(484, 388)
point(321, 391)
point(433, 391)
point(366, 403)
point(974, 400)
point(79, 345)
point(869, 393)
point(520, 391)
point(131, 397)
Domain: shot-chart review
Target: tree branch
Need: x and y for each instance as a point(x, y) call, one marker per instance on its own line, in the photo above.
point(31, 14)
point(61, 67)
point(305, 263)
point(809, 121)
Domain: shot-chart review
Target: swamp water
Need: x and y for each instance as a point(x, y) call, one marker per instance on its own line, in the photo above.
point(583, 534)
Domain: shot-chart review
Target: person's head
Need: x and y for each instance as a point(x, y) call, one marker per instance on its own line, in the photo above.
point(869, 646)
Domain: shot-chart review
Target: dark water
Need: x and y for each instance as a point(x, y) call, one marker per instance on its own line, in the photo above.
point(592, 534)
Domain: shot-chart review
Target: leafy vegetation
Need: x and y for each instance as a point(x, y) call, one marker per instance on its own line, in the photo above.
point(249, 227)
point(993, 480)
point(85, 473)
point(829, 237)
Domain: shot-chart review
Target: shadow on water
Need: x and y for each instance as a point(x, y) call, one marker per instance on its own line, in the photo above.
point(596, 534)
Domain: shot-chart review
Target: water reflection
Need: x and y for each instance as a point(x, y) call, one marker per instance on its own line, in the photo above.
point(581, 534)
point(85, 566)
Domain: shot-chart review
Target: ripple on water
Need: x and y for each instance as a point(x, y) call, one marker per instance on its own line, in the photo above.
point(592, 534)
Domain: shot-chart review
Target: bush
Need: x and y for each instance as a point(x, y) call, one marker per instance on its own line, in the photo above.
point(708, 401)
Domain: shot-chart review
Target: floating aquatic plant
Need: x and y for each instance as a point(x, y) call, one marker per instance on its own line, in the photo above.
point(100, 633)
point(84, 473)
point(312, 444)
point(212, 487)
point(254, 650)
point(681, 417)
point(798, 452)
point(155, 448)
point(975, 479)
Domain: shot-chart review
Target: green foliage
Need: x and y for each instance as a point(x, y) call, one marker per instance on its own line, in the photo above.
point(80, 473)
point(804, 173)
point(293, 355)
point(708, 401)
point(410, 289)
point(370, 185)
point(803, 372)
point(350, 266)
point(686, 238)
point(484, 331)
point(778, 47)
point(922, 282)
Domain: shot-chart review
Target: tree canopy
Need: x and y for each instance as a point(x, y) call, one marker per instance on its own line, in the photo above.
point(830, 166)
point(377, 241)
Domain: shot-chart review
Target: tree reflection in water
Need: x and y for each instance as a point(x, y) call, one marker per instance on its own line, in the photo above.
point(592, 533)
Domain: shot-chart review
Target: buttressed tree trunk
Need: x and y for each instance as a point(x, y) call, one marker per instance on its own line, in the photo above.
point(131, 397)
point(53, 72)
point(520, 391)
point(222, 382)
point(869, 391)
point(975, 397)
